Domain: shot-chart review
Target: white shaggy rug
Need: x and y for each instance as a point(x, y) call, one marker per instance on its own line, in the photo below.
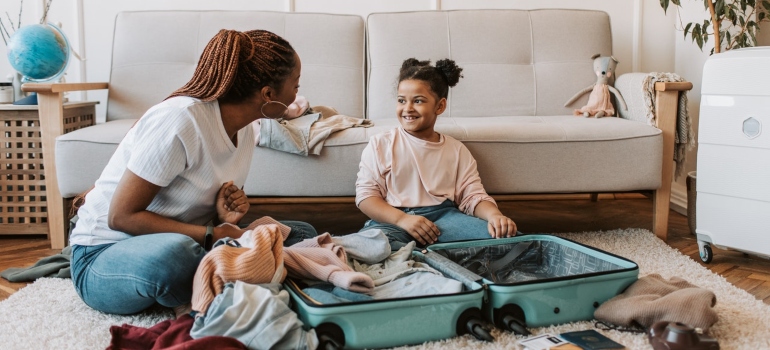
point(48, 314)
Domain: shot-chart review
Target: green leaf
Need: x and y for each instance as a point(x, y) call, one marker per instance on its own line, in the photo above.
point(664, 5)
point(719, 8)
point(696, 34)
point(687, 29)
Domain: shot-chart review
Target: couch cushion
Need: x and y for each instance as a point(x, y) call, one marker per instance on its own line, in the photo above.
point(515, 62)
point(81, 155)
point(585, 148)
point(155, 53)
point(514, 155)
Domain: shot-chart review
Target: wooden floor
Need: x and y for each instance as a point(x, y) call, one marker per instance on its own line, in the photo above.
point(532, 214)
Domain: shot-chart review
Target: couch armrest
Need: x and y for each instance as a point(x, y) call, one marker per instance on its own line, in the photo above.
point(51, 114)
point(631, 87)
point(62, 87)
point(659, 107)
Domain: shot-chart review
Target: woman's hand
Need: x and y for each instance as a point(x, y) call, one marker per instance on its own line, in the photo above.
point(421, 229)
point(501, 226)
point(224, 231)
point(232, 203)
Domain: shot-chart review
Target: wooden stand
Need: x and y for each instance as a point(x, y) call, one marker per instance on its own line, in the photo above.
point(25, 168)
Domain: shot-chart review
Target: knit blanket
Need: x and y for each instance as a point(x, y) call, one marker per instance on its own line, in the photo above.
point(684, 137)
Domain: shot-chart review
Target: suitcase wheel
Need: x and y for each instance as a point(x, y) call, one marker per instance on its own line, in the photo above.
point(330, 336)
point(470, 322)
point(706, 254)
point(511, 318)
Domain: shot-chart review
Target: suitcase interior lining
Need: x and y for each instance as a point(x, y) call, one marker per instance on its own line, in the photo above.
point(541, 259)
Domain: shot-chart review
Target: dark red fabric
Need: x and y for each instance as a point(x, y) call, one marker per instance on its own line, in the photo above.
point(167, 335)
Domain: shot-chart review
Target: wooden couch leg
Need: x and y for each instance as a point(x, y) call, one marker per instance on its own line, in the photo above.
point(660, 203)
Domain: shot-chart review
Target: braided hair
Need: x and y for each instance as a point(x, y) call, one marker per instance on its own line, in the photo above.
point(234, 65)
point(444, 75)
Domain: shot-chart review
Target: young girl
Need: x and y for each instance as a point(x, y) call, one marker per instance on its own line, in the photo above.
point(417, 184)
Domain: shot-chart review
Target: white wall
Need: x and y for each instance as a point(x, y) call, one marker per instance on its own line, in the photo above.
point(688, 63)
point(644, 38)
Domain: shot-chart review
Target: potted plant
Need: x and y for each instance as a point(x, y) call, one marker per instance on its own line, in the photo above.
point(733, 24)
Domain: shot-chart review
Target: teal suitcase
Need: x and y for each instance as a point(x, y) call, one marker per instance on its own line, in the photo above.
point(538, 280)
point(394, 322)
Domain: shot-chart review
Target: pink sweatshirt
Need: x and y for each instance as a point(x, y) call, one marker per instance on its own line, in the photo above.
point(409, 172)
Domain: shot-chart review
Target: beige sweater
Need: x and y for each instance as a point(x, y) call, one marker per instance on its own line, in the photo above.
point(652, 298)
point(263, 263)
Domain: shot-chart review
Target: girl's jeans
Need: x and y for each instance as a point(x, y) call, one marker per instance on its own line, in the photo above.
point(131, 275)
point(453, 225)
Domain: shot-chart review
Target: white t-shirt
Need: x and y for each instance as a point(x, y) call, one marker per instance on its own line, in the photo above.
point(409, 172)
point(180, 145)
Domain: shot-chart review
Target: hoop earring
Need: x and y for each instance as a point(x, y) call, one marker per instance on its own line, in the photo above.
point(262, 109)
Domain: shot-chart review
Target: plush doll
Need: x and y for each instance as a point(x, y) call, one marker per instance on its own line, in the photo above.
point(600, 102)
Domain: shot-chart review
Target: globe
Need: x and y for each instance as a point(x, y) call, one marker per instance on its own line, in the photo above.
point(39, 52)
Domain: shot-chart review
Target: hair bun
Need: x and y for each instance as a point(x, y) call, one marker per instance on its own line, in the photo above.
point(450, 70)
point(413, 62)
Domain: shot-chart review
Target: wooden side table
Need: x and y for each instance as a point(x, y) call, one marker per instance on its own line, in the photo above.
point(25, 169)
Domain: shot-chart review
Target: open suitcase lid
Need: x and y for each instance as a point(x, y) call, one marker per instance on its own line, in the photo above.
point(524, 259)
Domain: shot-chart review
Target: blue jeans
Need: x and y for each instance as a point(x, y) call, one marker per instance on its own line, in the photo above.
point(131, 275)
point(453, 225)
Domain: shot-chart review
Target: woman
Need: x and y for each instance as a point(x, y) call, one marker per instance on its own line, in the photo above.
point(140, 234)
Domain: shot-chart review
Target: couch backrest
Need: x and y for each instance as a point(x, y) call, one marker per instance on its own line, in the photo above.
point(515, 62)
point(155, 53)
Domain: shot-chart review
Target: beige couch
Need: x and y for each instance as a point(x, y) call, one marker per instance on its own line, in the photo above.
point(520, 67)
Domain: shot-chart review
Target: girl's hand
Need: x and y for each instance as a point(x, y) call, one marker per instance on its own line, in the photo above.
point(501, 226)
point(421, 229)
point(232, 203)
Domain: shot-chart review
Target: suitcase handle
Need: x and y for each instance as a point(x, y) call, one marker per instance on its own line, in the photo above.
point(509, 257)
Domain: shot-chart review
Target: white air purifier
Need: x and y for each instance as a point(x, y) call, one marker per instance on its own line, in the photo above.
point(733, 201)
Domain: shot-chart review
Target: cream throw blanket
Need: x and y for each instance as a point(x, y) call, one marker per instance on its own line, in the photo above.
point(684, 137)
